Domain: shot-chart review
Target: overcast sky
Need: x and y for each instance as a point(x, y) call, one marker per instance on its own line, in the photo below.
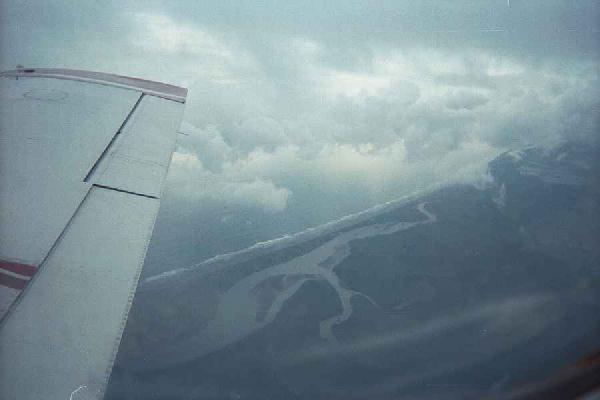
point(301, 112)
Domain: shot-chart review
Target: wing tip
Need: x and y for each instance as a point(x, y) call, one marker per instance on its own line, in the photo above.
point(154, 88)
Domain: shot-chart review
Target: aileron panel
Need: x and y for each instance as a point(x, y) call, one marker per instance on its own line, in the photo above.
point(139, 159)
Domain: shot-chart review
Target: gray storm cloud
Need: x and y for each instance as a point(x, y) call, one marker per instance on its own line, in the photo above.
point(300, 112)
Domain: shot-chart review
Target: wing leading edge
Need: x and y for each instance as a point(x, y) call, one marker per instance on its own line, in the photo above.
point(83, 157)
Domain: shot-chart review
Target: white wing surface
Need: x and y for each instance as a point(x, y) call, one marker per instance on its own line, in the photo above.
point(83, 157)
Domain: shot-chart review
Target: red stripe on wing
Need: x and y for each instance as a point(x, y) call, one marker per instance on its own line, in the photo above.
point(21, 269)
point(12, 282)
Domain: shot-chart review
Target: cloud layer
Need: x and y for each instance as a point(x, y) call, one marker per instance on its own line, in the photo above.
point(299, 113)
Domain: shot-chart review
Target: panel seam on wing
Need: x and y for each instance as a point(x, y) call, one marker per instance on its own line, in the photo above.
point(40, 268)
point(149, 196)
point(110, 145)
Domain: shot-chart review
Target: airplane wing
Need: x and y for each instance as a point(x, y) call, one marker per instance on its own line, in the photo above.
point(83, 157)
